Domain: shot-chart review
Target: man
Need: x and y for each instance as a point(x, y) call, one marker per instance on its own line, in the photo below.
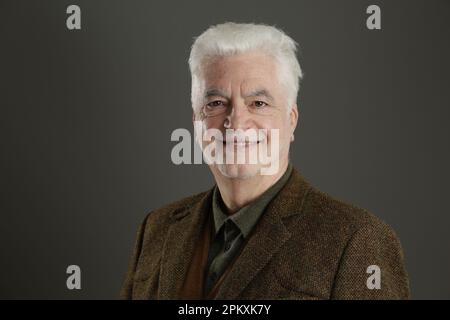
point(258, 234)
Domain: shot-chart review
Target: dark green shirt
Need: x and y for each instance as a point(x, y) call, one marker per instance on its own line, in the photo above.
point(231, 231)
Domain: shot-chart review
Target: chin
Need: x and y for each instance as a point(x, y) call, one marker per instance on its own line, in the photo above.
point(239, 171)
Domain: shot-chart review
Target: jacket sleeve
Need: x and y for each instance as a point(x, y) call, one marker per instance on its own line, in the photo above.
point(372, 266)
point(127, 286)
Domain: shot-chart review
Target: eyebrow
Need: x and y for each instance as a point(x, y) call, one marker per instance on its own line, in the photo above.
point(215, 92)
point(260, 93)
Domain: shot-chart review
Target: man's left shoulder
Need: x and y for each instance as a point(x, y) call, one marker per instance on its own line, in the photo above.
point(343, 216)
point(365, 243)
point(344, 240)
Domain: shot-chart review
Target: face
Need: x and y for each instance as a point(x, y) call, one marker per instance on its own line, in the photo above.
point(244, 92)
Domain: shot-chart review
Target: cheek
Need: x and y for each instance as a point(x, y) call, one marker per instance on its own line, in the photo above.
point(277, 123)
point(213, 123)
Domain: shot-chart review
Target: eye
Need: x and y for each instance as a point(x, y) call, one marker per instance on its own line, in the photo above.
point(260, 104)
point(215, 104)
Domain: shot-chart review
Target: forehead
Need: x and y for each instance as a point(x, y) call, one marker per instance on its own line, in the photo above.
point(247, 71)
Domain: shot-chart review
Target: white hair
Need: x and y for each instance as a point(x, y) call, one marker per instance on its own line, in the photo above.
point(234, 38)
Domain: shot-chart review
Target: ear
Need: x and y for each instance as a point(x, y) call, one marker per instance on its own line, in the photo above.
point(293, 119)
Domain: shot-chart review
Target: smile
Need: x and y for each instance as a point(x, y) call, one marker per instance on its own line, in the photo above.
point(240, 143)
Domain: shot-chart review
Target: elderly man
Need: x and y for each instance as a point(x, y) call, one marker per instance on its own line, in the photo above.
point(258, 234)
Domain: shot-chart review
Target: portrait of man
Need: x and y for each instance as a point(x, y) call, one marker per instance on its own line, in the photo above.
point(262, 231)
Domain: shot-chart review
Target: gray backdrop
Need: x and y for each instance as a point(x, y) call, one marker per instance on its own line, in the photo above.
point(86, 118)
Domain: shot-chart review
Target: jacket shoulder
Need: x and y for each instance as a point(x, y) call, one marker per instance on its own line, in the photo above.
point(164, 214)
point(341, 214)
point(362, 241)
point(154, 227)
point(345, 240)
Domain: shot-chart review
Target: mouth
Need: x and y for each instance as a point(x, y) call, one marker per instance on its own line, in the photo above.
point(241, 143)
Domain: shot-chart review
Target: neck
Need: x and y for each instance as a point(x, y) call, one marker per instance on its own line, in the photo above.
point(237, 193)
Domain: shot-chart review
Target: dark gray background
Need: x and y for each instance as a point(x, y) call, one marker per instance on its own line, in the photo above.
point(86, 118)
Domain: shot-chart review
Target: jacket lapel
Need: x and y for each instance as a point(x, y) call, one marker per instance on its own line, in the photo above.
point(268, 237)
point(179, 247)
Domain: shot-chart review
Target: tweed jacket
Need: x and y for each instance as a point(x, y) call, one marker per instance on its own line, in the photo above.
point(306, 245)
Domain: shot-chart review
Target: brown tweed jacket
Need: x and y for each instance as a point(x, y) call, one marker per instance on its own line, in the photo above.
point(307, 245)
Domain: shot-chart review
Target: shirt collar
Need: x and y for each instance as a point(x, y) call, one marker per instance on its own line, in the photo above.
point(247, 216)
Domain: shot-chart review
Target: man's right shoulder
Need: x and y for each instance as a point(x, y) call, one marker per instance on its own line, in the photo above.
point(166, 213)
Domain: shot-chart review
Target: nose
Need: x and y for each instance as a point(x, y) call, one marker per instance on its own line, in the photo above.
point(238, 118)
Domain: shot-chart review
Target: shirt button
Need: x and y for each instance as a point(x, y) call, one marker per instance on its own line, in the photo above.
point(227, 246)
